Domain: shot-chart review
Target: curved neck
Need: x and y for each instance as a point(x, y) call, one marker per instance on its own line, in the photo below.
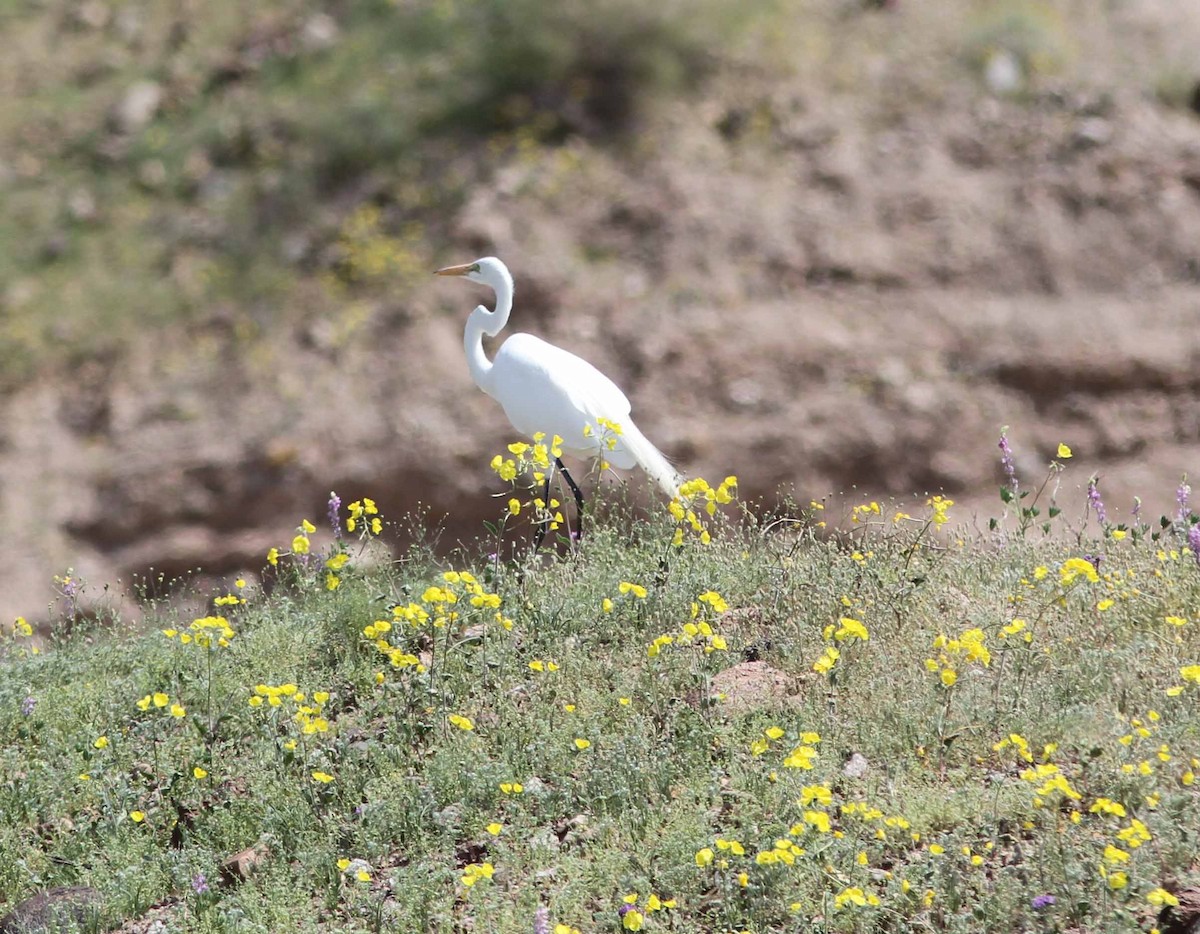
point(481, 322)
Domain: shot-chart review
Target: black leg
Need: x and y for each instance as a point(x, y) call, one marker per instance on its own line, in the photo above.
point(578, 497)
point(544, 525)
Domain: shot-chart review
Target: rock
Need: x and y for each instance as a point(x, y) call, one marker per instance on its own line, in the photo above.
point(47, 911)
point(1093, 131)
point(81, 205)
point(152, 174)
point(138, 107)
point(856, 766)
point(319, 32)
point(95, 14)
point(752, 686)
point(1183, 918)
point(238, 867)
point(1003, 73)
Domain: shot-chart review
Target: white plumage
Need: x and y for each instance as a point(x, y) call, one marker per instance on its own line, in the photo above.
point(543, 388)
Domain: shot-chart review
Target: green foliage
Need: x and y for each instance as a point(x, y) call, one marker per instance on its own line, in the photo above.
point(265, 131)
point(936, 731)
point(577, 66)
point(1035, 33)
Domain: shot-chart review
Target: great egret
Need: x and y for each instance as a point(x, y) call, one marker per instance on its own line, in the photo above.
point(543, 388)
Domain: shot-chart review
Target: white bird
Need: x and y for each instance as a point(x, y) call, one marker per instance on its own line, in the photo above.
point(544, 388)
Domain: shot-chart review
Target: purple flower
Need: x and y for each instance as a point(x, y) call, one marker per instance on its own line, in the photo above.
point(1094, 500)
point(1042, 901)
point(199, 884)
point(1193, 540)
point(335, 514)
point(68, 588)
point(1006, 458)
point(28, 704)
point(1095, 560)
point(1181, 497)
point(541, 920)
point(624, 910)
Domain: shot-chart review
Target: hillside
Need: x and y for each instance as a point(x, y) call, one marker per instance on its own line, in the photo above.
point(910, 728)
point(822, 246)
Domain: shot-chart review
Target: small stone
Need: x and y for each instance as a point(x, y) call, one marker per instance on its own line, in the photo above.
point(545, 839)
point(139, 106)
point(94, 14)
point(1003, 73)
point(1094, 131)
point(320, 32)
point(81, 205)
point(152, 174)
point(856, 766)
point(238, 867)
point(50, 910)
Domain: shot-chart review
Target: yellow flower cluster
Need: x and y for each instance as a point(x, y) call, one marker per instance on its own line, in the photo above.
point(1019, 744)
point(803, 755)
point(782, 851)
point(864, 512)
point(1074, 568)
point(535, 460)
point(369, 254)
point(1049, 780)
point(763, 742)
point(610, 431)
point(697, 499)
point(440, 606)
point(207, 632)
point(162, 701)
point(628, 587)
point(634, 917)
point(847, 630)
point(363, 517)
point(473, 872)
point(713, 600)
point(869, 814)
point(854, 896)
point(440, 603)
point(21, 629)
point(365, 513)
point(968, 647)
point(697, 630)
point(1017, 626)
point(308, 713)
point(829, 658)
point(939, 505)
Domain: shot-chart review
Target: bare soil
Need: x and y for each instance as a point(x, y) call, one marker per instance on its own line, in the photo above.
point(831, 296)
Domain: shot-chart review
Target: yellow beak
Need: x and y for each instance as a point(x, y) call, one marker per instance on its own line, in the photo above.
point(455, 270)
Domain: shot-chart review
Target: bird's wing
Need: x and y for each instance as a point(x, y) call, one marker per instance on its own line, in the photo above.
point(546, 388)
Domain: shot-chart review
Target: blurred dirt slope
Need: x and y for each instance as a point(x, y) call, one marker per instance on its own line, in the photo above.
point(841, 265)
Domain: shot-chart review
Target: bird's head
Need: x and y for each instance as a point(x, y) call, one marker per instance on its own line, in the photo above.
point(488, 270)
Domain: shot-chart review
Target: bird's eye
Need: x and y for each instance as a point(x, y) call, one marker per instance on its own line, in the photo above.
point(474, 267)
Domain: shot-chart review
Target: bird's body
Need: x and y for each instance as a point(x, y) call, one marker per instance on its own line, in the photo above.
point(543, 388)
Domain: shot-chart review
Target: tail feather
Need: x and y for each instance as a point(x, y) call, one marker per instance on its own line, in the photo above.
point(650, 459)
